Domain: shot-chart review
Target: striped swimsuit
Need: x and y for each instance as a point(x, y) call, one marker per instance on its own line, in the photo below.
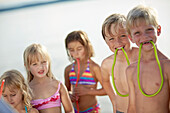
point(85, 79)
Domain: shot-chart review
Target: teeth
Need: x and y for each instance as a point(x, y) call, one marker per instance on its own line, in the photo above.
point(120, 48)
point(146, 42)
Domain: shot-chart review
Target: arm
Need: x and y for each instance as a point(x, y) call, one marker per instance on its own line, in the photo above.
point(68, 84)
point(167, 71)
point(66, 78)
point(33, 110)
point(131, 107)
point(68, 107)
point(107, 85)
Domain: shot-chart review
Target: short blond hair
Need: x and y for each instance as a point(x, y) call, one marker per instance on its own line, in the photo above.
point(15, 80)
point(141, 13)
point(36, 52)
point(118, 20)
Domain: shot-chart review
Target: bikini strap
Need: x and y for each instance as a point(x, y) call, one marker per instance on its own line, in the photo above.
point(26, 109)
point(58, 87)
point(88, 63)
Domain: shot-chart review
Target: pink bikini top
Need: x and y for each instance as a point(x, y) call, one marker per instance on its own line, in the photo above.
point(52, 101)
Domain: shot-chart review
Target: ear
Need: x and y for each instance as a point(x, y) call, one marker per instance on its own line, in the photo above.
point(158, 30)
point(131, 39)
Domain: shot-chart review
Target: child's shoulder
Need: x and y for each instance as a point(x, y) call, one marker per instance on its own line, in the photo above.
point(33, 110)
point(93, 63)
point(68, 68)
point(56, 82)
point(135, 50)
point(108, 60)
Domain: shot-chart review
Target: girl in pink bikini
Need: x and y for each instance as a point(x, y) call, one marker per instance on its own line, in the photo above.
point(48, 93)
point(84, 94)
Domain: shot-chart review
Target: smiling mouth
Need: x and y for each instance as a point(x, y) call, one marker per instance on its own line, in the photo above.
point(120, 48)
point(148, 42)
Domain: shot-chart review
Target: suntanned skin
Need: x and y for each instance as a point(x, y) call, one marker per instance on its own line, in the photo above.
point(150, 78)
point(117, 40)
point(86, 94)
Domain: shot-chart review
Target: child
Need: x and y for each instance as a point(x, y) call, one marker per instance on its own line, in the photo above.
point(149, 79)
point(16, 92)
point(48, 93)
point(79, 47)
point(116, 37)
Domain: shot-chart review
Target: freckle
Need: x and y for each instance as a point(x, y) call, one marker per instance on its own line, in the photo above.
point(157, 84)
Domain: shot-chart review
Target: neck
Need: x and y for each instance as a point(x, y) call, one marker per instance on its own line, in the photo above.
point(121, 56)
point(20, 107)
point(40, 80)
point(148, 55)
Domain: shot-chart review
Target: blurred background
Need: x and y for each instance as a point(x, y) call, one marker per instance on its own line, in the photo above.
point(23, 22)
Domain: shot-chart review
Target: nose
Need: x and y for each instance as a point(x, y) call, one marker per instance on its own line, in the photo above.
point(9, 99)
point(144, 36)
point(75, 53)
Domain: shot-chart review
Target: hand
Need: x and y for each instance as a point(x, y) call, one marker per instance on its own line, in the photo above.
point(73, 97)
point(81, 90)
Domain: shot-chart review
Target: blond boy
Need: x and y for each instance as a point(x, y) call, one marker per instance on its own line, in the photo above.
point(143, 27)
point(116, 37)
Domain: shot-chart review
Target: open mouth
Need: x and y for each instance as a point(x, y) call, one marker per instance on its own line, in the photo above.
point(41, 72)
point(148, 42)
point(120, 48)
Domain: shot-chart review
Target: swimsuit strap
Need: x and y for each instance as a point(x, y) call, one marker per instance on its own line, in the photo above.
point(26, 109)
point(58, 86)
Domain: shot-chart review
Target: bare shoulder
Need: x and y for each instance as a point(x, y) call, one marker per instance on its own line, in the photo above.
point(107, 61)
point(62, 88)
point(68, 68)
point(55, 82)
point(166, 65)
point(94, 64)
point(33, 110)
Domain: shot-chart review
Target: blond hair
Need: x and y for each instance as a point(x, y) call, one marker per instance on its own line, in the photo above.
point(141, 13)
point(117, 20)
point(14, 79)
point(81, 37)
point(36, 52)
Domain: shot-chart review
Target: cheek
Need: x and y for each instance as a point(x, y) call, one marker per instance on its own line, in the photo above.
point(5, 98)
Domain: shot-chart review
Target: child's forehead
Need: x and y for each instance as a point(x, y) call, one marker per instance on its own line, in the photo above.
point(141, 21)
point(10, 89)
point(115, 30)
point(74, 44)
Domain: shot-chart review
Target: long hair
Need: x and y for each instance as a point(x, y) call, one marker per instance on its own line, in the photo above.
point(14, 79)
point(36, 52)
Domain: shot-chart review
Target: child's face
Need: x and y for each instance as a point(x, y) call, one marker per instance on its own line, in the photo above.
point(144, 33)
point(12, 96)
point(76, 50)
point(39, 68)
point(117, 39)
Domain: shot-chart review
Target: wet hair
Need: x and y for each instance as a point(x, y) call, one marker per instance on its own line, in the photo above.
point(15, 80)
point(34, 53)
point(81, 37)
point(117, 20)
point(141, 13)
